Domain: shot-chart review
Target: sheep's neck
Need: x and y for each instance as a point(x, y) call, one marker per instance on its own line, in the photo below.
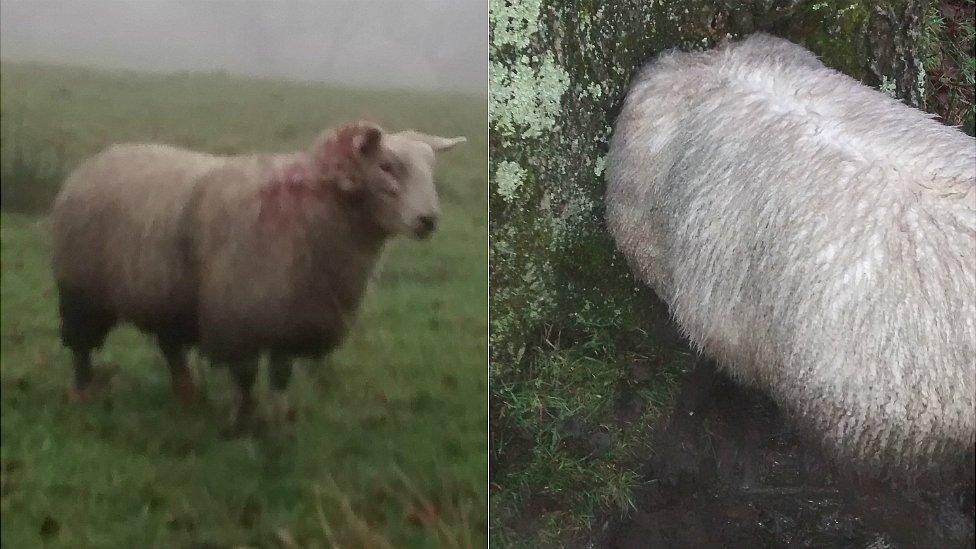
point(327, 245)
point(344, 250)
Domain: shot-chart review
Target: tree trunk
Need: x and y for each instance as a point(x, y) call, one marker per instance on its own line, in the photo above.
point(559, 71)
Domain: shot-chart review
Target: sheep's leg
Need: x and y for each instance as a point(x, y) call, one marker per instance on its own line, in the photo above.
point(83, 373)
point(84, 326)
point(279, 372)
point(183, 386)
point(244, 374)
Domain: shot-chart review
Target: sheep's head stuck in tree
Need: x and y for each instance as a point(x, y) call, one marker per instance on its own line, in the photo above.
point(814, 236)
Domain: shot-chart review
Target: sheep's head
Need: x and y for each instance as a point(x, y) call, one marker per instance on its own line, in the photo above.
point(389, 174)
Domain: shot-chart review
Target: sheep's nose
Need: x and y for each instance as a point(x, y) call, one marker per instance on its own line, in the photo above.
point(426, 225)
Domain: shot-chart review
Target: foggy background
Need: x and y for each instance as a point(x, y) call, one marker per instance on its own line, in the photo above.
point(410, 44)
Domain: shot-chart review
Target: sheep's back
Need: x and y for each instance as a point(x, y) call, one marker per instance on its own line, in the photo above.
point(816, 237)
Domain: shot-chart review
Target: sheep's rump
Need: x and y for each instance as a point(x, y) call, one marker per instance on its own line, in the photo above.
point(122, 229)
point(816, 237)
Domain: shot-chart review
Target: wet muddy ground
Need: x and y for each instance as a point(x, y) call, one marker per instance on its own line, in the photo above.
point(730, 472)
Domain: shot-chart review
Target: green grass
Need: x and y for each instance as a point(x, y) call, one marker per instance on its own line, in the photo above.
point(389, 447)
point(947, 39)
point(571, 440)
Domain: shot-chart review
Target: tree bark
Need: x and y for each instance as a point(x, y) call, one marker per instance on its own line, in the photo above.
point(559, 72)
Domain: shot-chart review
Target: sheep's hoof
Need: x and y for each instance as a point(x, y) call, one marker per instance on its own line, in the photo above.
point(87, 394)
point(236, 428)
point(281, 410)
point(80, 396)
point(244, 422)
point(188, 394)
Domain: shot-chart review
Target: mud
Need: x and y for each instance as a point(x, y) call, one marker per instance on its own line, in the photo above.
point(730, 472)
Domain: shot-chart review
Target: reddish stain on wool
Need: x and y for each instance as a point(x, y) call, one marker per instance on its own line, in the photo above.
point(284, 197)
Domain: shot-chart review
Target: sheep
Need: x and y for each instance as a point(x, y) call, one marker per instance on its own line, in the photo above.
point(814, 237)
point(239, 255)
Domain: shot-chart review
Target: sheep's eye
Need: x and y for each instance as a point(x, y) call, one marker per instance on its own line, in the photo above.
point(386, 167)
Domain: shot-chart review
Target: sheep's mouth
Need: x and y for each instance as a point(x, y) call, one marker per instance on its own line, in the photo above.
point(423, 233)
point(425, 227)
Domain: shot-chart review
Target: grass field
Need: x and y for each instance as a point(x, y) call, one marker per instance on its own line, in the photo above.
point(389, 447)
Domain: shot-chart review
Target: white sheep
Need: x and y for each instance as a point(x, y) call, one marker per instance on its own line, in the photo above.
point(815, 237)
point(236, 255)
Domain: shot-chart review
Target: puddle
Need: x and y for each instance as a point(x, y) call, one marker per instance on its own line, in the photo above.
point(730, 472)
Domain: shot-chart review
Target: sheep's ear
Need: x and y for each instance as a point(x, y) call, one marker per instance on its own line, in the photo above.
point(436, 142)
point(367, 143)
